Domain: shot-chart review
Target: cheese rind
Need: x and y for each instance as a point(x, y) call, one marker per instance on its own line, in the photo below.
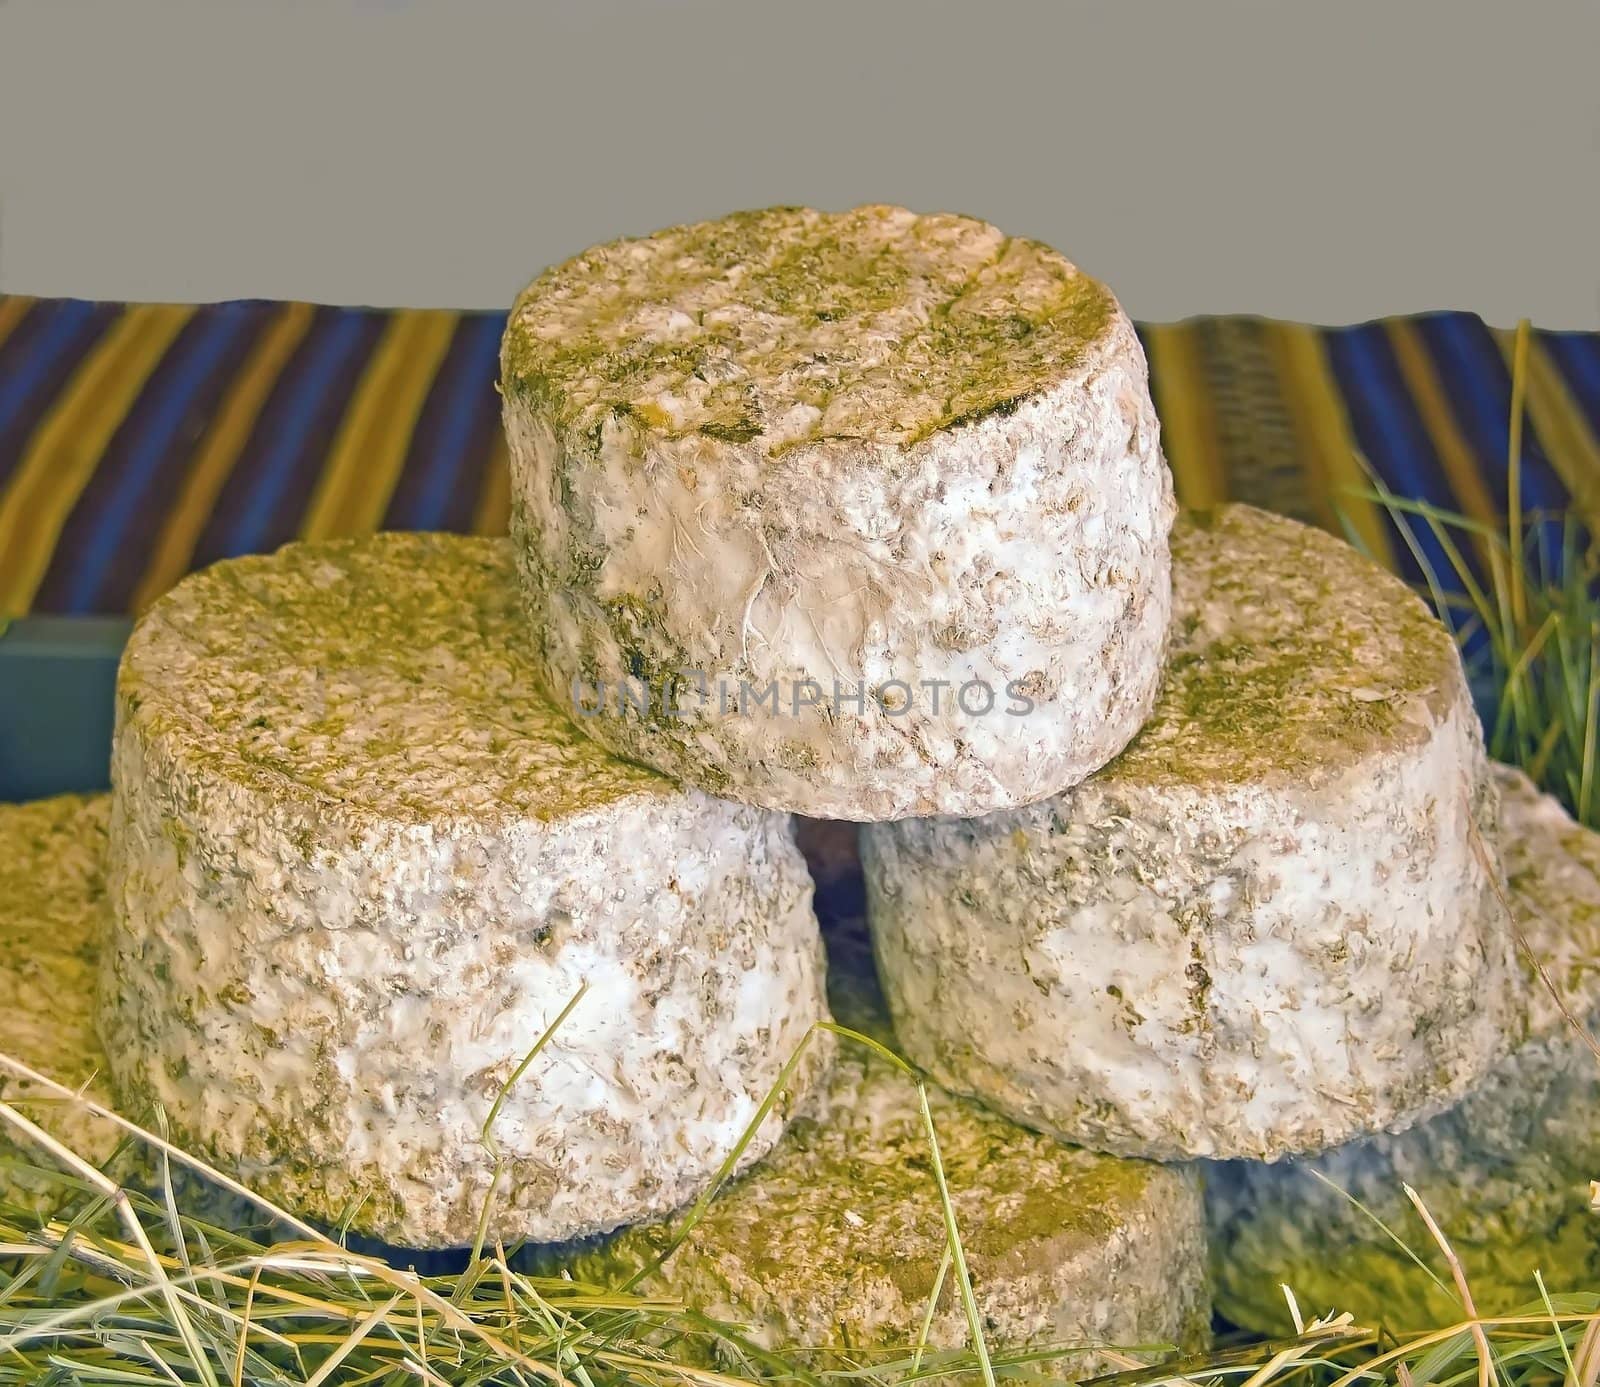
point(1269, 926)
point(1506, 1173)
point(766, 467)
point(360, 867)
point(832, 1243)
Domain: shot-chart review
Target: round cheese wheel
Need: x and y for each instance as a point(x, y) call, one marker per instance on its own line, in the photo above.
point(860, 514)
point(360, 867)
point(1268, 926)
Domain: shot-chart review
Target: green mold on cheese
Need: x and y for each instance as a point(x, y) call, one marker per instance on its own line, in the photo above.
point(884, 324)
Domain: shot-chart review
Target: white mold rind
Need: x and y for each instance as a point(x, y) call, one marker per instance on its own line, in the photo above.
point(359, 867)
point(1269, 926)
point(852, 449)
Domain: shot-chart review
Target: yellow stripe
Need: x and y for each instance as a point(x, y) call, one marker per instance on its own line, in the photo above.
point(370, 448)
point(213, 463)
point(1569, 439)
point(493, 515)
point(1188, 419)
point(1460, 464)
point(1326, 441)
point(13, 307)
point(65, 448)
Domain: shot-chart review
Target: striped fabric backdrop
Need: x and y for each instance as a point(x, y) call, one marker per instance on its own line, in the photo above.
point(140, 441)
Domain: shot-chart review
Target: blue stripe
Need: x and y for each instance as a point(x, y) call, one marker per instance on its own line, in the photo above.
point(1477, 379)
point(274, 471)
point(157, 436)
point(1394, 438)
point(44, 352)
point(1481, 382)
point(478, 365)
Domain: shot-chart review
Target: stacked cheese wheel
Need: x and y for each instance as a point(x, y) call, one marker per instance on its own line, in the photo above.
point(1273, 923)
point(348, 832)
point(795, 492)
point(451, 882)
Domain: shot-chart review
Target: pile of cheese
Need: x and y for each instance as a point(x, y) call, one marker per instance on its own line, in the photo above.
point(450, 884)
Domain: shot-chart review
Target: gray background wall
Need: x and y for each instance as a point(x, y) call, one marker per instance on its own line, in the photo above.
point(1326, 160)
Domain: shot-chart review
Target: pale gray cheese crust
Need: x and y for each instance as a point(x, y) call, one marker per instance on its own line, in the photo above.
point(849, 448)
point(1265, 928)
point(833, 1241)
point(359, 867)
point(1505, 1173)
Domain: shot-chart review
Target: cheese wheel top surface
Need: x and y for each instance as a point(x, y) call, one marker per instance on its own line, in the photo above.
point(389, 674)
point(788, 326)
point(1291, 658)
